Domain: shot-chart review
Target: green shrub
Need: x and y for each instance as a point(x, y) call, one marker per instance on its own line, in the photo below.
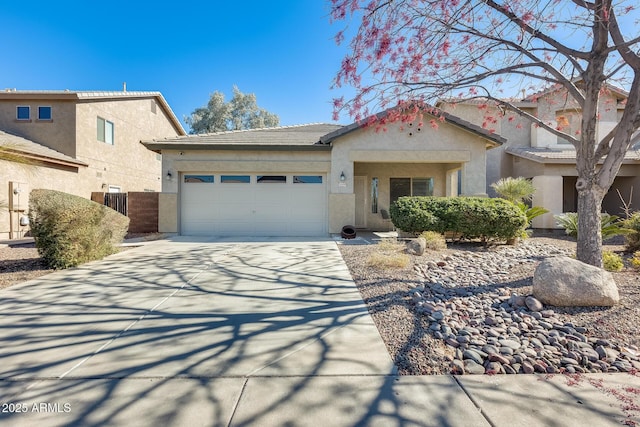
point(434, 241)
point(610, 225)
point(632, 238)
point(70, 230)
point(612, 261)
point(469, 217)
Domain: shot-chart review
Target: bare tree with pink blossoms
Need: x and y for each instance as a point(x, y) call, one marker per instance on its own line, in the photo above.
point(408, 53)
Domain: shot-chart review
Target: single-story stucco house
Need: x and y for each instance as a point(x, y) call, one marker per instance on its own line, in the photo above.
point(311, 180)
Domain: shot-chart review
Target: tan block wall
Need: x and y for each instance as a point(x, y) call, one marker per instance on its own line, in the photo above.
point(142, 210)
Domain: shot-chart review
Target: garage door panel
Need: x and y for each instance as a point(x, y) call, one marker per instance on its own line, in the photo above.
point(256, 208)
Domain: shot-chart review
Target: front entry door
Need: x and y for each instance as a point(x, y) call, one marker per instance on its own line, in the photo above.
point(360, 190)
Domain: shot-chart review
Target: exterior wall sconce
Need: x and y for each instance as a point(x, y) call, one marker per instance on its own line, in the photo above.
point(342, 177)
point(169, 176)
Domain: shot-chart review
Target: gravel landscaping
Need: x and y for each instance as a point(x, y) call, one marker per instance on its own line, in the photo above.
point(464, 310)
point(20, 263)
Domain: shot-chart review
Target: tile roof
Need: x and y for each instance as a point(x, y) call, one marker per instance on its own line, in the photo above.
point(36, 151)
point(283, 136)
point(548, 155)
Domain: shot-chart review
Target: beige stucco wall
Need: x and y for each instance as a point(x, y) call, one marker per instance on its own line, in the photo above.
point(127, 163)
point(401, 144)
point(34, 177)
point(404, 152)
point(341, 211)
point(168, 213)
point(58, 133)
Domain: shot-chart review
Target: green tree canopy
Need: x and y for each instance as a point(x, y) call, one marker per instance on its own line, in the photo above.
point(242, 112)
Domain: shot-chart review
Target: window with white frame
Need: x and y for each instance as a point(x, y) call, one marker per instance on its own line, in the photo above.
point(44, 113)
point(105, 131)
point(23, 112)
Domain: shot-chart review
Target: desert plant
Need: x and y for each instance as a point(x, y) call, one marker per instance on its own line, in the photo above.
point(514, 189)
point(519, 191)
point(632, 238)
point(610, 225)
point(531, 212)
point(388, 253)
point(635, 261)
point(612, 261)
point(390, 245)
point(434, 241)
point(70, 230)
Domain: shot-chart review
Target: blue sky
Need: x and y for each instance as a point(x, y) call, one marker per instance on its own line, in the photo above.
point(283, 51)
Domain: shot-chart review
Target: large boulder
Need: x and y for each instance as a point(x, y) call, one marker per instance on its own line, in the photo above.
point(563, 281)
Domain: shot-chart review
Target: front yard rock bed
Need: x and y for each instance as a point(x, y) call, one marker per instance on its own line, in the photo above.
point(468, 310)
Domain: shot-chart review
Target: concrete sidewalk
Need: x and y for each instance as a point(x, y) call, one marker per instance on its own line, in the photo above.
point(267, 332)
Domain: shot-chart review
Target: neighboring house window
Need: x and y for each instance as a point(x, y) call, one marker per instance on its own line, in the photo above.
point(105, 131)
point(23, 112)
point(44, 113)
point(400, 187)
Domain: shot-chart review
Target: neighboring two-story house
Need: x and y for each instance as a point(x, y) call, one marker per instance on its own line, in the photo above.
point(533, 152)
point(79, 142)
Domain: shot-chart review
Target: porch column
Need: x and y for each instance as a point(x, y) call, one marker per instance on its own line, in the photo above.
point(549, 196)
point(452, 183)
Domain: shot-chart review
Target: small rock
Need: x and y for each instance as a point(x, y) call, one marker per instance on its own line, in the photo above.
point(472, 355)
point(473, 368)
point(533, 303)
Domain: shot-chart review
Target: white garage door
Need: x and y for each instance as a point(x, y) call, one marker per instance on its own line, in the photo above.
point(253, 204)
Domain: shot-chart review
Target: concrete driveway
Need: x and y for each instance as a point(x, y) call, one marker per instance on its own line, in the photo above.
point(176, 332)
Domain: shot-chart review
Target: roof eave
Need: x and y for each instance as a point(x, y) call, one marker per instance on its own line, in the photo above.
point(160, 146)
point(51, 160)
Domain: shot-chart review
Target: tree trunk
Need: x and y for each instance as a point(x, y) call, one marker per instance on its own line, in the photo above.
point(589, 226)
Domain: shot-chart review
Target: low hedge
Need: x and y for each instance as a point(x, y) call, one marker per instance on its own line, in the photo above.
point(468, 217)
point(70, 230)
